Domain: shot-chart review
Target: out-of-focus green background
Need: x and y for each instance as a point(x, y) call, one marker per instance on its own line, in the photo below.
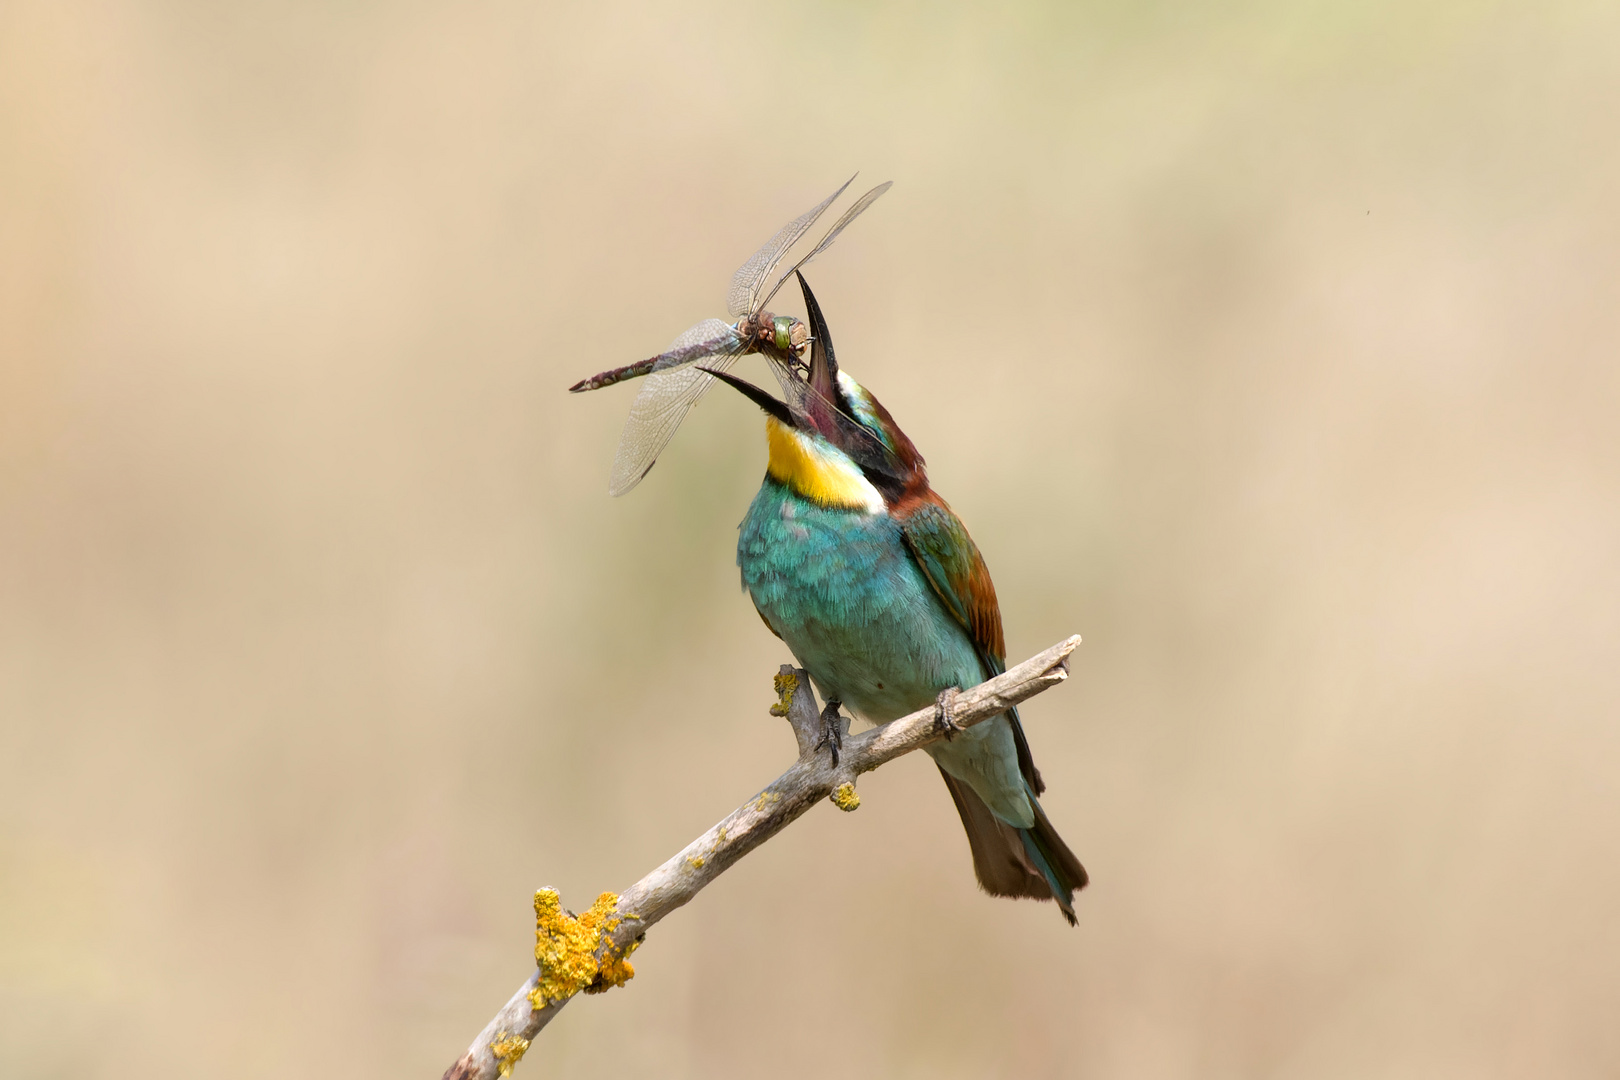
point(1271, 347)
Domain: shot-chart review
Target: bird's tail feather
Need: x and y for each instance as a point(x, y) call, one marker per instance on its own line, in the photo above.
point(1009, 861)
point(1056, 862)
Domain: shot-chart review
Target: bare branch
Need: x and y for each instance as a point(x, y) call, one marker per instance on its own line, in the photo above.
point(812, 778)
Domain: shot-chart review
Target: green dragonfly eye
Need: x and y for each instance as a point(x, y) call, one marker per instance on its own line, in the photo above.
point(783, 325)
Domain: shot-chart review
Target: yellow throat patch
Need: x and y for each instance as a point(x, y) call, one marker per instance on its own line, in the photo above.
point(817, 471)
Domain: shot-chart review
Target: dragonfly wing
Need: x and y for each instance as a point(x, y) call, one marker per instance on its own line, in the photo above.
point(743, 299)
point(832, 234)
point(667, 396)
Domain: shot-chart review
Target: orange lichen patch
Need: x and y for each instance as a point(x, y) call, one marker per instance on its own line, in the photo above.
point(785, 686)
point(508, 1050)
point(695, 862)
point(571, 951)
point(765, 799)
point(616, 971)
point(845, 798)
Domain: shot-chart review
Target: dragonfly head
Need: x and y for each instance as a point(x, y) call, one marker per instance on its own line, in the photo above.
point(781, 337)
point(791, 335)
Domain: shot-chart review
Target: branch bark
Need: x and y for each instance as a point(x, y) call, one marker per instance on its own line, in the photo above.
point(812, 778)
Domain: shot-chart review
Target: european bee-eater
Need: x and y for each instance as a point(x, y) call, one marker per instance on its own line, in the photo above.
point(874, 584)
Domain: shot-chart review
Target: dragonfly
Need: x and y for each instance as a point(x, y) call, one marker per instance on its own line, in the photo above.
point(675, 381)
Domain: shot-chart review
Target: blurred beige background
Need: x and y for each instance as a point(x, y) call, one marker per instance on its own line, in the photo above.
point(1271, 348)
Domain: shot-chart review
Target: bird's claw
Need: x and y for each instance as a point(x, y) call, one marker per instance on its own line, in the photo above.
point(832, 731)
point(945, 716)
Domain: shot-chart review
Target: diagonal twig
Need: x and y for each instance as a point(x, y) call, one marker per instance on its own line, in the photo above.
point(812, 778)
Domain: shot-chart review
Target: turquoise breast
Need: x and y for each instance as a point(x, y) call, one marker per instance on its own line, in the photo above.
point(841, 589)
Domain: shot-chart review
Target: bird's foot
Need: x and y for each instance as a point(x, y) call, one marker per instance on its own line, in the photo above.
point(832, 729)
point(945, 717)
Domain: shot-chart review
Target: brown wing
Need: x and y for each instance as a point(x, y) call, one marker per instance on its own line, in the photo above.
point(951, 562)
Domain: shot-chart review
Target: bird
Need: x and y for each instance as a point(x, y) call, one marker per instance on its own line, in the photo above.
point(872, 581)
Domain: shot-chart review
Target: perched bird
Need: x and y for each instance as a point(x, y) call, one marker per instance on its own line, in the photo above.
point(874, 584)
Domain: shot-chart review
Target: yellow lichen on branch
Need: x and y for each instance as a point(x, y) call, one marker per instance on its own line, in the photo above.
point(616, 971)
point(845, 798)
point(571, 952)
point(508, 1050)
point(785, 684)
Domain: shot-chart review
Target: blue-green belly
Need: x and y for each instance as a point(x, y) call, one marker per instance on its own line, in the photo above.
point(841, 589)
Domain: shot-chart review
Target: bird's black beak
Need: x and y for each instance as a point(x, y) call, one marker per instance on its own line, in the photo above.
point(823, 365)
point(753, 393)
